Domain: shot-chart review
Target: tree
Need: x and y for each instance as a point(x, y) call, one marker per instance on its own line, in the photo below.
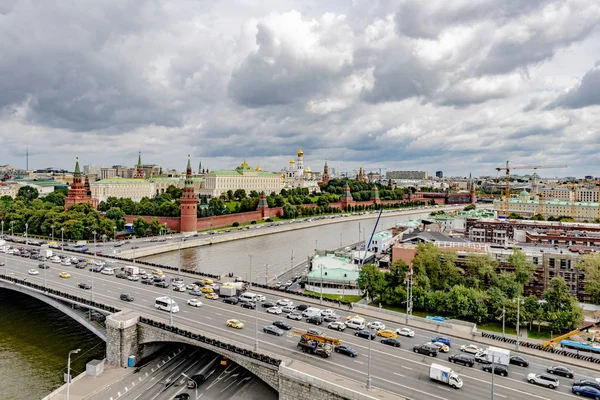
point(117, 215)
point(140, 227)
point(590, 263)
point(216, 206)
point(56, 198)
point(562, 310)
point(371, 280)
point(524, 267)
point(514, 216)
point(289, 211)
point(27, 193)
point(470, 207)
point(174, 192)
point(155, 226)
point(239, 194)
point(538, 217)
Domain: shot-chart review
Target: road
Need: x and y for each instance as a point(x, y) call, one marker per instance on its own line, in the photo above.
point(397, 370)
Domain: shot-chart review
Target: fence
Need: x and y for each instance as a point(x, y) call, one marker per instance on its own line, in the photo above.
point(213, 342)
point(537, 346)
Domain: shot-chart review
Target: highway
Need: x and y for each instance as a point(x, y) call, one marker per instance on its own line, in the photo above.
point(397, 370)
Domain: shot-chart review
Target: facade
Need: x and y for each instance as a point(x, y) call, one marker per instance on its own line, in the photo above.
point(161, 183)
point(43, 187)
point(296, 176)
point(189, 204)
point(337, 275)
point(134, 189)
point(439, 174)
point(406, 175)
point(381, 242)
point(10, 189)
point(524, 205)
point(107, 173)
point(79, 191)
point(584, 195)
point(243, 177)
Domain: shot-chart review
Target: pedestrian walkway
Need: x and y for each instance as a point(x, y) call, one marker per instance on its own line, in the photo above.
point(84, 386)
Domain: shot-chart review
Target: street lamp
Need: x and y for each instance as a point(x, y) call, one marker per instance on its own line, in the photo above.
point(52, 227)
point(115, 232)
point(26, 226)
point(94, 233)
point(518, 315)
point(493, 367)
point(341, 239)
point(195, 384)
point(12, 228)
point(369, 363)
point(266, 274)
point(250, 278)
point(321, 296)
point(69, 370)
point(408, 293)
point(3, 228)
point(62, 237)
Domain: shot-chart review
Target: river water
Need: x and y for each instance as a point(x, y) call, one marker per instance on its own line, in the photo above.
point(35, 338)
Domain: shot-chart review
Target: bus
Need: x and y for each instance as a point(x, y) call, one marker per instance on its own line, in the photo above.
point(166, 304)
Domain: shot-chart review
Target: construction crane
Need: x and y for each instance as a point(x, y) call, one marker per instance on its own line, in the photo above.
point(554, 342)
point(505, 203)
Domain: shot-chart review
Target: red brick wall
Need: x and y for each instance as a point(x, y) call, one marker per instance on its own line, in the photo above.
point(172, 222)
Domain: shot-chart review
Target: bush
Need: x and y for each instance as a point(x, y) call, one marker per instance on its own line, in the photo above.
point(235, 224)
point(253, 223)
point(269, 220)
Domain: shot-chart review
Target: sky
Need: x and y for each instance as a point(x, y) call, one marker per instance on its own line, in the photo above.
point(459, 86)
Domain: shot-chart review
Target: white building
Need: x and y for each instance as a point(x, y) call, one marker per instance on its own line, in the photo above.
point(296, 176)
point(337, 275)
point(217, 182)
point(9, 189)
point(92, 169)
point(382, 242)
point(527, 206)
point(134, 189)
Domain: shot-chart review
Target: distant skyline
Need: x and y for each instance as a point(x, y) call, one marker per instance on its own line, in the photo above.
point(459, 86)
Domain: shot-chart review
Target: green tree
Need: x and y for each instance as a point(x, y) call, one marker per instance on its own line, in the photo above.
point(56, 198)
point(216, 206)
point(239, 194)
point(140, 227)
point(117, 215)
point(538, 217)
point(562, 310)
point(174, 192)
point(27, 193)
point(371, 281)
point(470, 207)
point(590, 264)
point(155, 226)
point(524, 267)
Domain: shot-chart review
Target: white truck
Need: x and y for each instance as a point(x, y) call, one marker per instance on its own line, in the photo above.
point(46, 253)
point(227, 291)
point(131, 270)
point(445, 375)
point(241, 286)
point(500, 356)
point(80, 243)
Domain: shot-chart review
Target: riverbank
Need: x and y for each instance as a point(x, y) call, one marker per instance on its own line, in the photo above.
point(261, 230)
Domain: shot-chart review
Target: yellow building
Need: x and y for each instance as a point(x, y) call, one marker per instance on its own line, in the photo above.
point(528, 206)
point(243, 177)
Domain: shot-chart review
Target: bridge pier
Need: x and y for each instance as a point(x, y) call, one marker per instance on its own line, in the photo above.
point(122, 337)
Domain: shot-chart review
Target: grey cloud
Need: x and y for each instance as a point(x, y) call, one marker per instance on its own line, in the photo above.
point(586, 94)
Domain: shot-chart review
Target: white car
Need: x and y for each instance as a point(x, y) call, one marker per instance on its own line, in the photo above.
point(470, 348)
point(66, 262)
point(194, 303)
point(33, 272)
point(288, 309)
point(285, 302)
point(259, 297)
point(543, 379)
point(178, 288)
point(191, 286)
point(56, 260)
point(274, 310)
point(133, 278)
point(405, 332)
point(143, 272)
point(337, 325)
point(378, 326)
point(327, 313)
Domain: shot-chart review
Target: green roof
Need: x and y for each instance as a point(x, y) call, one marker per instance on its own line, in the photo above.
point(240, 172)
point(46, 183)
point(550, 202)
point(339, 274)
point(382, 235)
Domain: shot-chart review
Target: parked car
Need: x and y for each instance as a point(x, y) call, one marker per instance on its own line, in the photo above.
point(560, 370)
point(462, 359)
point(499, 369)
point(345, 349)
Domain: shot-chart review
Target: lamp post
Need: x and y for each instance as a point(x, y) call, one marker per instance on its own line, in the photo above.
point(292, 260)
point(503, 318)
point(255, 326)
point(115, 232)
point(341, 239)
point(250, 278)
point(26, 226)
point(52, 227)
point(266, 274)
point(195, 384)
point(12, 228)
point(518, 317)
point(94, 233)
point(2, 227)
point(171, 301)
point(369, 362)
point(493, 367)
point(62, 237)
point(321, 295)
point(69, 370)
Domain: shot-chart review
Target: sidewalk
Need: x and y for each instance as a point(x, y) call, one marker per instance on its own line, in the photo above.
point(84, 386)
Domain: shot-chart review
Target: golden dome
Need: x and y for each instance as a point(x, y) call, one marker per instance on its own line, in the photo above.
point(300, 153)
point(292, 162)
point(258, 169)
point(244, 164)
point(308, 171)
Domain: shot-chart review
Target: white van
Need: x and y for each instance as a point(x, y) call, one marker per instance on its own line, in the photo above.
point(248, 297)
point(108, 271)
point(356, 323)
point(311, 312)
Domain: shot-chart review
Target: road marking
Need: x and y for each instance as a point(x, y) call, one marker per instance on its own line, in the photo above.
point(359, 362)
point(499, 395)
point(395, 373)
point(208, 317)
point(442, 387)
point(408, 368)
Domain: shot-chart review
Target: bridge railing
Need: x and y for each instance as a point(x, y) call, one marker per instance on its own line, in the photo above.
point(58, 293)
point(213, 342)
point(537, 346)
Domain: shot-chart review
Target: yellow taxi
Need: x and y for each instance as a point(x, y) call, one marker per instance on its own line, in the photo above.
point(234, 323)
point(157, 272)
point(352, 317)
point(211, 296)
point(387, 333)
point(207, 281)
point(64, 275)
point(206, 289)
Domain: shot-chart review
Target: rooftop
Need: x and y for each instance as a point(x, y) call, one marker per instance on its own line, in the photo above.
point(122, 181)
point(340, 274)
point(43, 183)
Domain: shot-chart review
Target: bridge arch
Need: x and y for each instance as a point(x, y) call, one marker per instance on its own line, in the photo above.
point(51, 301)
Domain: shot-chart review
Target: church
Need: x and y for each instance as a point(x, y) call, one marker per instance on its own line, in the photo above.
point(296, 176)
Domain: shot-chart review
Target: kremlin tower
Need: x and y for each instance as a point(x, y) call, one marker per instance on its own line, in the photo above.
point(78, 193)
point(139, 173)
point(188, 221)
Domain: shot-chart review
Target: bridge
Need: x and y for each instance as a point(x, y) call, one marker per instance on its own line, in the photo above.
point(138, 328)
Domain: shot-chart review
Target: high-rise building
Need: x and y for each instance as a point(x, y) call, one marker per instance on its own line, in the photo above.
point(439, 174)
point(406, 175)
point(91, 169)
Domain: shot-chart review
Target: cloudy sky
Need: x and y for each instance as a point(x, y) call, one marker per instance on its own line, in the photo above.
point(459, 86)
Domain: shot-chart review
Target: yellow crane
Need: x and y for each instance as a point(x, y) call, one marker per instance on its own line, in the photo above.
point(508, 168)
point(556, 341)
point(316, 338)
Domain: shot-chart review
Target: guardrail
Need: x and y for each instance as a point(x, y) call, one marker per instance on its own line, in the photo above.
point(213, 342)
point(537, 346)
point(58, 293)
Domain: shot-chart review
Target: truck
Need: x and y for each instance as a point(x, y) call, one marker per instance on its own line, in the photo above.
point(80, 243)
point(499, 356)
point(241, 286)
point(314, 347)
point(445, 375)
point(131, 270)
point(227, 291)
point(46, 253)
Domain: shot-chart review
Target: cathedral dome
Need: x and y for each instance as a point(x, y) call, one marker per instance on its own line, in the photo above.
point(292, 162)
point(308, 171)
point(300, 153)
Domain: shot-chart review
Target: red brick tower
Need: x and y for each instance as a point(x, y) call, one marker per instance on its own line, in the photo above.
point(346, 198)
point(472, 190)
point(139, 173)
point(188, 222)
point(325, 173)
point(262, 206)
point(77, 192)
point(375, 195)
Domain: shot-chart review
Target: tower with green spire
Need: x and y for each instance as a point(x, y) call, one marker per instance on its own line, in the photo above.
point(188, 220)
point(78, 191)
point(139, 173)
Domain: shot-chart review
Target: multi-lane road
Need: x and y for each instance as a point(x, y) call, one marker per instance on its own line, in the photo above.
point(397, 370)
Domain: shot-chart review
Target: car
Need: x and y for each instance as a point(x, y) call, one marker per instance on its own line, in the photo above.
point(231, 300)
point(248, 304)
point(331, 318)
point(376, 325)
point(586, 391)
point(64, 275)
point(85, 286)
point(207, 281)
point(519, 360)
point(80, 265)
point(133, 278)
point(391, 342)
point(182, 396)
point(337, 325)
point(295, 315)
point(33, 272)
point(162, 284)
point(126, 297)
point(274, 310)
point(272, 330)
point(345, 349)
point(195, 292)
point(405, 332)
point(499, 369)
point(43, 266)
point(442, 348)
point(206, 289)
point(543, 380)
point(463, 359)
point(268, 304)
point(211, 296)
point(285, 302)
point(365, 334)
point(157, 272)
point(260, 297)
point(301, 307)
point(194, 303)
point(147, 281)
point(66, 263)
point(560, 370)
point(471, 349)
point(234, 323)
point(587, 382)
point(191, 286)
point(327, 312)
point(287, 309)
point(387, 333)
point(314, 331)
point(430, 350)
point(348, 318)
point(442, 339)
point(282, 325)
point(121, 275)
